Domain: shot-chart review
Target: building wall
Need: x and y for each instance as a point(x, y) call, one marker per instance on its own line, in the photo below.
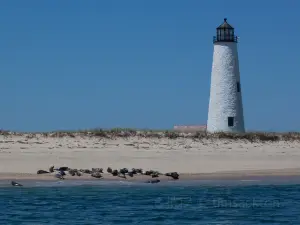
point(190, 129)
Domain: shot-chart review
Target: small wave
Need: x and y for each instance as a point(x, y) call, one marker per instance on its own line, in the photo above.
point(249, 180)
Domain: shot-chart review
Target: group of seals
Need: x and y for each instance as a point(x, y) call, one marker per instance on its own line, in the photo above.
point(154, 174)
point(123, 172)
point(97, 173)
point(61, 172)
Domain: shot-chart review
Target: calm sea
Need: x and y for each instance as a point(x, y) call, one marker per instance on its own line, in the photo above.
point(137, 203)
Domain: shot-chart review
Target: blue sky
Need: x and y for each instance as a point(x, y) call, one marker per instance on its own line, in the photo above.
point(142, 64)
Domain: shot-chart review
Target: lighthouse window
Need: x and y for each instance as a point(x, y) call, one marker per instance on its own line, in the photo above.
point(226, 34)
point(230, 121)
point(222, 34)
point(238, 87)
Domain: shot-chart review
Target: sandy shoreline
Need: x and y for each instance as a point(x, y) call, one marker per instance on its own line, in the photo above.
point(226, 175)
point(21, 156)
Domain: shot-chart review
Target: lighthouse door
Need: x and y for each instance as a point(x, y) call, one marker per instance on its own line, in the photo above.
point(230, 121)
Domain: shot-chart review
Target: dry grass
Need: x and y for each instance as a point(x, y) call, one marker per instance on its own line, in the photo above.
point(127, 132)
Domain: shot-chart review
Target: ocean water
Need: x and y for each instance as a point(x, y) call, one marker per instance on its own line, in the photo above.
point(138, 203)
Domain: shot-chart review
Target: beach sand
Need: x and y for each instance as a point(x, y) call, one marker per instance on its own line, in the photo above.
point(21, 156)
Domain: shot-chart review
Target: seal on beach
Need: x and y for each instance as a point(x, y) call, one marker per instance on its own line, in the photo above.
point(155, 174)
point(62, 172)
point(122, 175)
point(136, 171)
point(109, 170)
point(72, 172)
point(15, 184)
point(100, 170)
point(174, 175)
point(149, 172)
point(78, 173)
point(96, 175)
point(133, 171)
point(130, 174)
point(115, 172)
point(139, 171)
point(42, 172)
point(85, 171)
point(63, 168)
point(51, 169)
point(60, 175)
point(124, 170)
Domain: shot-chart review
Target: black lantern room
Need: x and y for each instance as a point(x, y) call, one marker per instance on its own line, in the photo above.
point(225, 33)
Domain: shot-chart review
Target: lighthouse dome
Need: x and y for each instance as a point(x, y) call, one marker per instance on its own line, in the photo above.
point(225, 25)
point(225, 33)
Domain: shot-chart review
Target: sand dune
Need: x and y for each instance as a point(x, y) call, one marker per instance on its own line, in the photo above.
point(22, 154)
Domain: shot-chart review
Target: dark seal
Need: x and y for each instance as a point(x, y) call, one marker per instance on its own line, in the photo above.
point(153, 181)
point(15, 184)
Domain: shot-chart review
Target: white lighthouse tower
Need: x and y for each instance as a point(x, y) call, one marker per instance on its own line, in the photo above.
point(225, 111)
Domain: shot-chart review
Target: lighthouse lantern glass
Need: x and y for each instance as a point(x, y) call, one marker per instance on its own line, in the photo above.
point(225, 34)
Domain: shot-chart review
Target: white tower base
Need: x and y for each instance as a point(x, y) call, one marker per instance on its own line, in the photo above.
point(225, 112)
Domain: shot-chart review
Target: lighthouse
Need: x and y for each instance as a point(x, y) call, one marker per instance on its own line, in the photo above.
point(225, 111)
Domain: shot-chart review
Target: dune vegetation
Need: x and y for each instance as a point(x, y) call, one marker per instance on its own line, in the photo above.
point(170, 134)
